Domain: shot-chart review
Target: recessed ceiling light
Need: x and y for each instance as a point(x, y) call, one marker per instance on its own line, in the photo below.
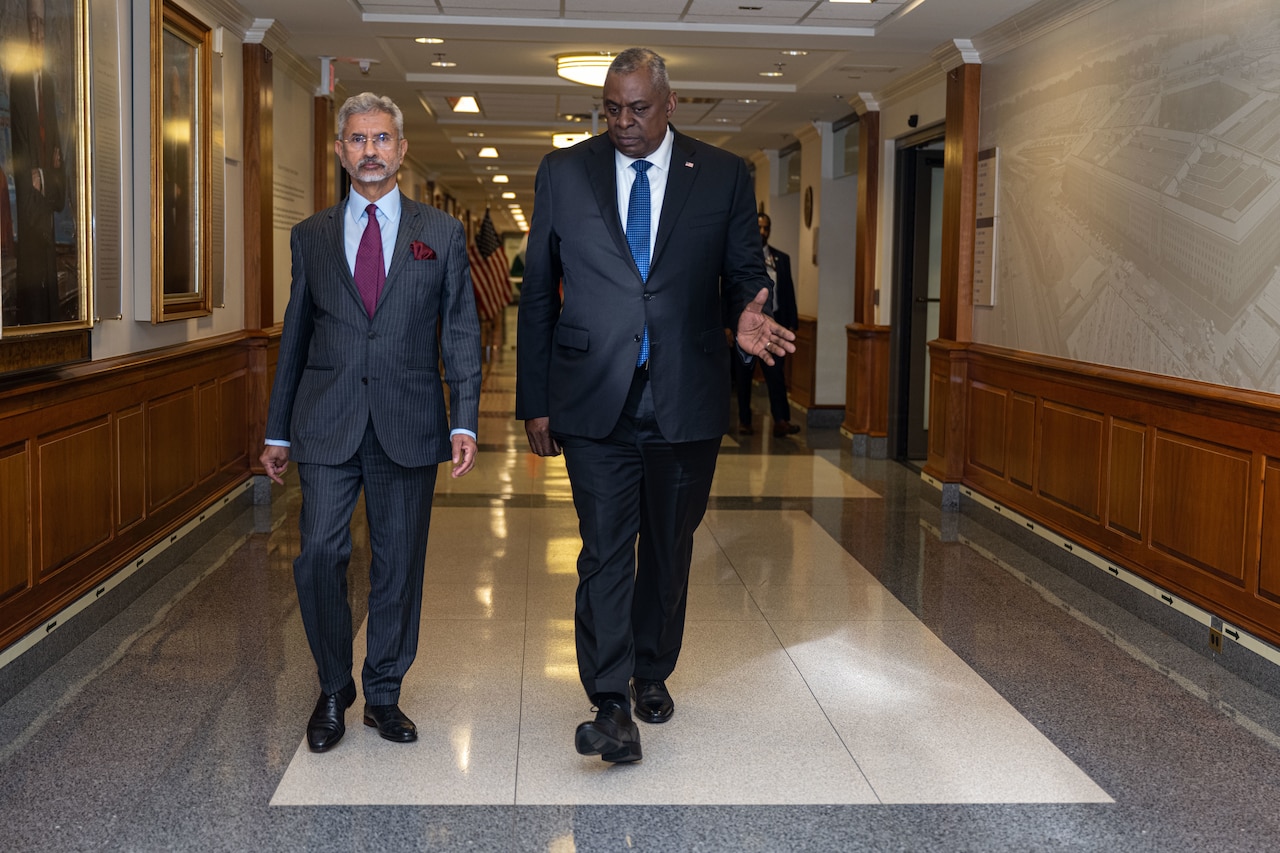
point(428, 40)
point(501, 179)
point(794, 52)
point(770, 73)
point(475, 134)
point(748, 101)
point(508, 194)
point(464, 104)
point(488, 152)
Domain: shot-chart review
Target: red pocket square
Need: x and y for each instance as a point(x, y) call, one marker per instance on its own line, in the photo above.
point(422, 252)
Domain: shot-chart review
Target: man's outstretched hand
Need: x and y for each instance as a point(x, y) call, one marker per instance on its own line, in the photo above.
point(759, 335)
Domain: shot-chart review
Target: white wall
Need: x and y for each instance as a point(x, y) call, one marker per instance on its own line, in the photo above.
point(134, 332)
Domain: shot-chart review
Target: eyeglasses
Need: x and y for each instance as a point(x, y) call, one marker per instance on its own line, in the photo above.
point(382, 141)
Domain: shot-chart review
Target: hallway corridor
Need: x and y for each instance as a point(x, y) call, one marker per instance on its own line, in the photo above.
point(861, 671)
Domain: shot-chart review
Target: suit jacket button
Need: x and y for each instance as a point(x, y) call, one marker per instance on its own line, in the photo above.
point(636, 339)
point(648, 296)
point(364, 380)
point(372, 335)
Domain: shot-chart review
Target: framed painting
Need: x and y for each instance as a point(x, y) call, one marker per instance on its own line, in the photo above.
point(45, 254)
point(181, 113)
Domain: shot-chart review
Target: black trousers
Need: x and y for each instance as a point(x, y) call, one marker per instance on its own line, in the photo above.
point(631, 598)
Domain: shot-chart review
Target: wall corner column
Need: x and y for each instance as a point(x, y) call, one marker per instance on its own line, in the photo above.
point(259, 285)
point(866, 419)
point(949, 372)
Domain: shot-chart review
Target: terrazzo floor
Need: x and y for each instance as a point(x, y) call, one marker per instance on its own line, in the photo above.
point(861, 671)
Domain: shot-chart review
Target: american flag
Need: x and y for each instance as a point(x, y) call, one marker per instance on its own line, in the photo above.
point(489, 271)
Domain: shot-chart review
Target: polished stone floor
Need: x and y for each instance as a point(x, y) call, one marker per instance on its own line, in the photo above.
point(861, 671)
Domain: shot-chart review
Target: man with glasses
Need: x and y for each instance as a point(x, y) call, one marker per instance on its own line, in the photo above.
point(381, 296)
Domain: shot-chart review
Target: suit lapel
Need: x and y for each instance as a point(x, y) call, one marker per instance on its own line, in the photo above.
point(680, 177)
point(603, 177)
point(410, 224)
point(338, 249)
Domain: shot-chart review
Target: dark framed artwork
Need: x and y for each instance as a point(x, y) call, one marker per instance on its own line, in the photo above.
point(45, 252)
point(181, 112)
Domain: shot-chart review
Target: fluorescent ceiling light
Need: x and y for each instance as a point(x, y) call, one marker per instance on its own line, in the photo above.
point(588, 69)
point(428, 40)
point(565, 140)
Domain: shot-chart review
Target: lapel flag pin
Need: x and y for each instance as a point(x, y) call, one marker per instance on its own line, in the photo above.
point(688, 164)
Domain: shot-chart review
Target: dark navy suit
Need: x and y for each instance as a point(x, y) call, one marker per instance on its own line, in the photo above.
point(640, 445)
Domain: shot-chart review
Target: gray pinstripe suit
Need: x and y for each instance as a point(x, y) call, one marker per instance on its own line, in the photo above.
point(361, 401)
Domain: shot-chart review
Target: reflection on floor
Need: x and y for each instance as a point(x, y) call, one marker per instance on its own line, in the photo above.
point(861, 671)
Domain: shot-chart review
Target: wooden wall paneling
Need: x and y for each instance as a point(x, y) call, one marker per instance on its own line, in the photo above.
point(1022, 440)
point(1069, 458)
point(171, 447)
point(939, 401)
point(1187, 475)
point(1269, 546)
point(1126, 467)
point(15, 521)
point(208, 426)
point(75, 473)
point(233, 423)
point(1199, 506)
point(131, 474)
point(866, 399)
point(802, 381)
point(988, 420)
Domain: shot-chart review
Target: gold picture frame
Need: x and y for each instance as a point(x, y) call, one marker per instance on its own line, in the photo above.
point(181, 139)
point(46, 281)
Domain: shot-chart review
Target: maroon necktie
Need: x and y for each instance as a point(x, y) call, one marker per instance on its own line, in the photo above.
point(370, 272)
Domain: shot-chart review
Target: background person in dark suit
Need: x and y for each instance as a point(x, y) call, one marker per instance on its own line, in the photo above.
point(627, 374)
point(784, 311)
point(358, 403)
point(39, 179)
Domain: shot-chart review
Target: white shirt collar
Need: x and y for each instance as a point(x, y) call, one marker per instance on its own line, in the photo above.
point(661, 157)
point(389, 204)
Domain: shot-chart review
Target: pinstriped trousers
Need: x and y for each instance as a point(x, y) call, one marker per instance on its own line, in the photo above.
point(398, 509)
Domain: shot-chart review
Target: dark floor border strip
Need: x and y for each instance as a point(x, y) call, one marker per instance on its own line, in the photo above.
point(1243, 654)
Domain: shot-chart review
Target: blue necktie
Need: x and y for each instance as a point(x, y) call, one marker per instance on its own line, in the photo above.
point(638, 236)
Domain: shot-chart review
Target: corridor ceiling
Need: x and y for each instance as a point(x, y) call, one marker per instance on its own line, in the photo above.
point(504, 53)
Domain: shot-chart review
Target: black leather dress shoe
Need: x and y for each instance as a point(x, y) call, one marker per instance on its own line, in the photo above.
point(781, 429)
point(612, 735)
point(653, 702)
point(390, 722)
point(328, 721)
point(745, 429)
